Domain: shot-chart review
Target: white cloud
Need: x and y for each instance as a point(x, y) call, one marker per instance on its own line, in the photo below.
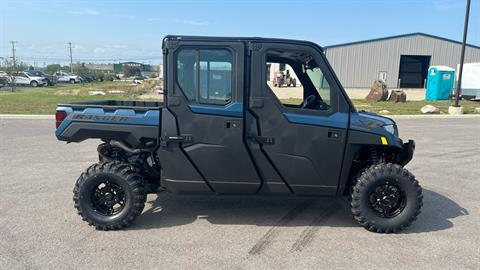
point(191, 22)
point(153, 19)
point(196, 23)
point(109, 48)
point(115, 46)
point(85, 11)
point(99, 50)
point(448, 4)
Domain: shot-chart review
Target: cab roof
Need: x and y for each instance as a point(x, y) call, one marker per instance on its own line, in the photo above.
point(240, 39)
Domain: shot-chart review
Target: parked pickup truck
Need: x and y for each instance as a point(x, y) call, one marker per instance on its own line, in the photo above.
point(29, 78)
point(222, 130)
point(66, 77)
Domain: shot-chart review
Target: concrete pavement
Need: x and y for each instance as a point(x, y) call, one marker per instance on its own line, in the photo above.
point(39, 228)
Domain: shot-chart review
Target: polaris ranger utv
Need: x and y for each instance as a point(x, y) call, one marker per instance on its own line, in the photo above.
point(222, 130)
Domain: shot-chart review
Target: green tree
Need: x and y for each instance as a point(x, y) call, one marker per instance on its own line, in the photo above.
point(8, 66)
point(81, 69)
point(52, 68)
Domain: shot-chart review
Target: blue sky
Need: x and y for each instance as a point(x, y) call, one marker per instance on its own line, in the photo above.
point(106, 31)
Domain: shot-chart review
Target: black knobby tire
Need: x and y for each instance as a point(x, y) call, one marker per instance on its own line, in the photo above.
point(397, 183)
point(128, 185)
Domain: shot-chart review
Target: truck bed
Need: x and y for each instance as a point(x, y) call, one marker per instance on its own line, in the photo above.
point(134, 122)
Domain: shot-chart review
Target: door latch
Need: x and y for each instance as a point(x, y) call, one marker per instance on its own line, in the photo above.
point(334, 135)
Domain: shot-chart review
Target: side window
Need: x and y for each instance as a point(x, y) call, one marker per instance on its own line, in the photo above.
point(297, 81)
point(284, 83)
point(205, 75)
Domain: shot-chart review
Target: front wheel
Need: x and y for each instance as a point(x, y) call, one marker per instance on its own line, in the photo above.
point(34, 83)
point(109, 195)
point(72, 81)
point(386, 198)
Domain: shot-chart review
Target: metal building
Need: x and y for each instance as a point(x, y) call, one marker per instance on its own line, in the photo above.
point(401, 61)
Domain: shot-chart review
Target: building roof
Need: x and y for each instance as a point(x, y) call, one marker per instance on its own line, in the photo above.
point(399, 36)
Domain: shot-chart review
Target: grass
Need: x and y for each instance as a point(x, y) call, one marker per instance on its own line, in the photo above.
point(407, 108)
point(44, 100)
point(411, 107)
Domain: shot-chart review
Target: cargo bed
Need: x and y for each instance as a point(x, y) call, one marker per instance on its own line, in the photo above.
point(133, 122)
point(114, 104)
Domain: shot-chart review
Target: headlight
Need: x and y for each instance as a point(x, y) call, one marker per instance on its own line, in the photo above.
point(392, 129)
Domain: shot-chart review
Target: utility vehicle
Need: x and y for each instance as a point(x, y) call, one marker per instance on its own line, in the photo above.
point(222, 130)
point(280, 79)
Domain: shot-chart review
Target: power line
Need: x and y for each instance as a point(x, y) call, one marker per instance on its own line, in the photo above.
point(116, 59)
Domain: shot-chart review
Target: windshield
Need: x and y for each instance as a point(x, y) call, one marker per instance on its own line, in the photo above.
point(35, 73)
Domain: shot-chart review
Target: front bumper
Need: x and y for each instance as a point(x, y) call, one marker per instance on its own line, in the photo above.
point(407, 152)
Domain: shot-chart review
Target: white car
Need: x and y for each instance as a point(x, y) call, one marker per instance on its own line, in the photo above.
point(67, 77)
point(27, 78)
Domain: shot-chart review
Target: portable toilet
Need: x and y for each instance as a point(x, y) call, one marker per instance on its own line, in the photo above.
point(440, 81)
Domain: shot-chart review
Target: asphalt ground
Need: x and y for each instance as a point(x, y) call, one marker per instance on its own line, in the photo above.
point(39, 228)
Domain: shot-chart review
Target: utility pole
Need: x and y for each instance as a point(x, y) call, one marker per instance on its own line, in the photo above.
point(462, 56)
point(71, 58)
point(13, 55)
point(14, 59)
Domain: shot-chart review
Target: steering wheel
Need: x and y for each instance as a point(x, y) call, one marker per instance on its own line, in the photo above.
point(306, 102)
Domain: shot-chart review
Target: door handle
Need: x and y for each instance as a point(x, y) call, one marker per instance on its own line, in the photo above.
point(262, 140)
point(176, 139)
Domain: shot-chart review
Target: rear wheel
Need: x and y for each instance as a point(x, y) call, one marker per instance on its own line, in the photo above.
point(72, 81)
point(109, 195)
point(386, 198)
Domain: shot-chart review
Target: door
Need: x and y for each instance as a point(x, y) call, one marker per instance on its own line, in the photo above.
point(300, 129)
point(205, 97)
point(22, 79)
point(413, 71)
point(60, 77)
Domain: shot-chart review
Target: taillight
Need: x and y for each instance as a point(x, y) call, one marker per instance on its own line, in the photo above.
point(59, 117)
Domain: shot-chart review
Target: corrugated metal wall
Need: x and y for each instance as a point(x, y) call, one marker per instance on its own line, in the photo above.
point(358, 65)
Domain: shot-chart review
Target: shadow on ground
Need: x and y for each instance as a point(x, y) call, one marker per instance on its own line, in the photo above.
point(170, 210)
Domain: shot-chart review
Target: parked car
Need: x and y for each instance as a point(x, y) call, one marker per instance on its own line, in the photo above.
point(88, 78)
point(139, 79)
point(92, 78)
point(51, 80)
point(27, 78)
point(67, 77)
point(243, 141)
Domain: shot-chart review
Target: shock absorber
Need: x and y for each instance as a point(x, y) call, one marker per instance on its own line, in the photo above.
point(375, 156)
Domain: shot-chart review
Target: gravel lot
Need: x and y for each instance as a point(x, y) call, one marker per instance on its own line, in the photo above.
point(39, 228)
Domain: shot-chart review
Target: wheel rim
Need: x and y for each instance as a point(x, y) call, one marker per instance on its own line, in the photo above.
point(388, 200)
point(108, 198)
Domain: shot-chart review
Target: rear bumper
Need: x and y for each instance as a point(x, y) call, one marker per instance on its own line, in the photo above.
point(407, 152)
